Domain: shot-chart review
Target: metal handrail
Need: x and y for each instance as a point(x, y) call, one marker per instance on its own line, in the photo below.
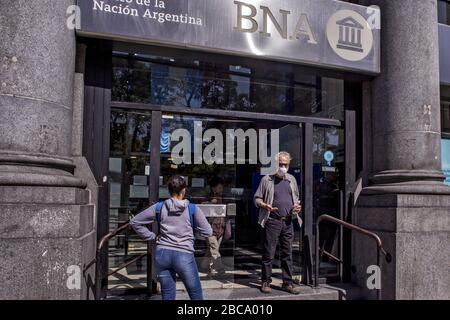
point(112, 234)
point(104, 240)
point(98, 270)
point(353, 227)
point(126, 264)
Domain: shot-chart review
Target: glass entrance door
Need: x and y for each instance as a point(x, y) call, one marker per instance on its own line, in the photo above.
point(229, 177)
point(328, 191)
point(232, 180)
point(129, 170)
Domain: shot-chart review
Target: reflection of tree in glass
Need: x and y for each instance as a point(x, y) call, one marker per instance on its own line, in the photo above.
point(122, 80)
point(130, 132)
point(175, 86)
point(131, 80)
point(187, 89)
point(141, 88)
point(270, 98)
point(161, 86)
point(118, 132)
point(140, 128)
point(320, 140)
point(225, 91)
point(208, 90)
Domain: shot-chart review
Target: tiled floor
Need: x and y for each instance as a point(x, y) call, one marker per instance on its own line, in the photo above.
point(243, 270)
point(241, 281)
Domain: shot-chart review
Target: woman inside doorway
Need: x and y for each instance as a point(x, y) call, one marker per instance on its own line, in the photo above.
point(221, 231)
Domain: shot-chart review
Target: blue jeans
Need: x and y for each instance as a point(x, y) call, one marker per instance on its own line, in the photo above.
point(168, 264)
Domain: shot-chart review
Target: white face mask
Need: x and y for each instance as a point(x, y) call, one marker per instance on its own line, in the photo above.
point(282, 171)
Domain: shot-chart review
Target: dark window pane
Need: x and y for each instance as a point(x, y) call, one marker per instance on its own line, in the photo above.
point(211, 81)
point(445, 109)
point(444, 11)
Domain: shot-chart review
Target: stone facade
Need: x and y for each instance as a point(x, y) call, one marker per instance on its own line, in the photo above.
point(46, 215)
point(405, 201)
point(48, 193)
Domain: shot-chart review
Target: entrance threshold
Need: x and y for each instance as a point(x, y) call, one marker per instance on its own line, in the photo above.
point(307, 293)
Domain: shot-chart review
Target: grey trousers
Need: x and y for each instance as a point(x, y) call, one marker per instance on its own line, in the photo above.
point(212, 258)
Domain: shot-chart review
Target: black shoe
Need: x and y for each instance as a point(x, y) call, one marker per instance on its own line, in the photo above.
point(222, 272)
point(265, 287)
point(291, 288)
point(216, 273)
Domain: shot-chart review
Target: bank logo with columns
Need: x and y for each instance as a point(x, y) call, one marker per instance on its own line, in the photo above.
point(350, 35)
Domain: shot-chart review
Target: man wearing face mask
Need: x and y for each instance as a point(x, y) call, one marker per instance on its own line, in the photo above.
point(277, 197)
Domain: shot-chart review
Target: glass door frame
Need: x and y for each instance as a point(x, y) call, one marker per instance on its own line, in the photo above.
point(96, 134)
point(307, 124)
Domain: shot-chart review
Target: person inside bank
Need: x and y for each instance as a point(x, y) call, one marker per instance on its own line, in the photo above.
point(177, 220)
point(277, 198)
point(212, 261)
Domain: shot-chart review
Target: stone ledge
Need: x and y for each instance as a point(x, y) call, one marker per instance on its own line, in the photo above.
point(43, 195)
point(45, 221)
point(403, 219)
point(404, 200)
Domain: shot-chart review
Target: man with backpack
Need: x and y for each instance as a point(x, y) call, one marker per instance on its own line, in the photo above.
point(177, 220)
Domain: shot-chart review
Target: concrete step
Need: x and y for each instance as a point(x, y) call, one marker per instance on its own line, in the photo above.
point(347, 291)
point(307, 293)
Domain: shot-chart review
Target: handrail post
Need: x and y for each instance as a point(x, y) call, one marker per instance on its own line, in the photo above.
point(149, 269)
point(341, 234)
point(379, 266)
point(98, 275)
point(316, 258)
point(98, 259)
point(350, 226)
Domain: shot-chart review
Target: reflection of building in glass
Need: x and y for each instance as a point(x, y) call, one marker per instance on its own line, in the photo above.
point(350, 34)
point(165, 142)
point(445, 151)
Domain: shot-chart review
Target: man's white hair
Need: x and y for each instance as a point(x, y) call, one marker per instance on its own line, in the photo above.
point(283, 154)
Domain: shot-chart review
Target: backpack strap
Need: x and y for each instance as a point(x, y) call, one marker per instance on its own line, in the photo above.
point(158, 209)
point(192, 209)
point(192, 214)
